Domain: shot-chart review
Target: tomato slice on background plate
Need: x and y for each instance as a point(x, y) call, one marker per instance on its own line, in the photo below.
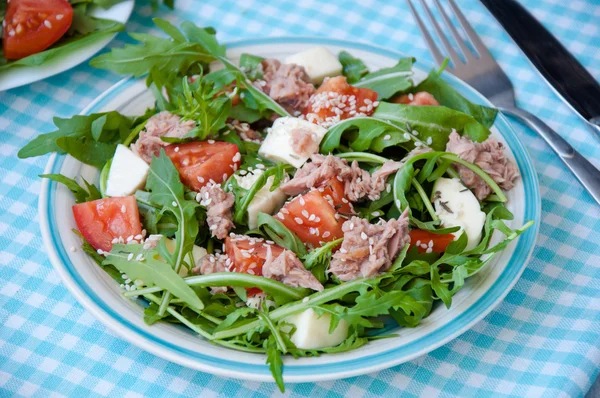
point(200, 162)
point(100, 221)
point(440, 242)
point(249, 256)
point(31, 26)
point(312, 218)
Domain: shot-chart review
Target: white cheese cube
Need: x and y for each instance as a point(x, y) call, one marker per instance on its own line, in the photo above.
point(264, 200)
point(127, 174)
point(319, 63)
point(193, 259)
point(312, 331)
point(457, 206)
point(278, 145)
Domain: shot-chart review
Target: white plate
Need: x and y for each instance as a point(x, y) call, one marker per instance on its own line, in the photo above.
point(98, 293)
point(21, 76)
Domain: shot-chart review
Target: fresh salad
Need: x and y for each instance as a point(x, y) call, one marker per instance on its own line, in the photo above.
point(35, 31)
point(285, 207)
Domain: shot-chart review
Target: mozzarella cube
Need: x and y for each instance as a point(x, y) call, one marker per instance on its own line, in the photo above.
point(319, 63)
point(265, 200)
point(457, 206)
point(278, 145)
point(193, 259)
point(127, 174)
point(312, 330)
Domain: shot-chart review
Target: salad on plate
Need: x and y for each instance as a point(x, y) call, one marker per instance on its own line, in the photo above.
point(286, 207)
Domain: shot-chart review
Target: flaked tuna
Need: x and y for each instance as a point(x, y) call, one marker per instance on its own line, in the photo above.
point(288, 269)
point(489, 156)
point(369, 249)
point(288, 84)
point(218, 205)
point(163, 124)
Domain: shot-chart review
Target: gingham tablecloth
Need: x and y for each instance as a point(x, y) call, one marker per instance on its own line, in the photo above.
point(543, 340)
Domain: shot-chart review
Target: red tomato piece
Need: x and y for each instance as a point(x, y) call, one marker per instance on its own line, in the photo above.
point(334, 189)
point(100, 221)
point(31, 26)
point(249, 256)
point(200, 162)
point(336, 97)
point(421, 98)
point(312, 218)
point(440, 242)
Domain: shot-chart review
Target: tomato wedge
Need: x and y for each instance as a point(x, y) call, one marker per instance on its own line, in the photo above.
point(336, 97)
point(103, 220)
point(333, 189)
point(312, 218)
point(31, 26)
point(421, 239)
point(200, 162)
point(422, 98)
point(249, 255)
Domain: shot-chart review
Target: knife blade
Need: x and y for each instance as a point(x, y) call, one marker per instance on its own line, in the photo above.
point(556, 64)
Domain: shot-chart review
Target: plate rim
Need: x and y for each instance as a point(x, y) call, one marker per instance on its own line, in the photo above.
point(128, 5)
point(125, 331)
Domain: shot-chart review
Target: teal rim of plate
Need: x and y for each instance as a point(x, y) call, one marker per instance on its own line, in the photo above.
point(420, 346)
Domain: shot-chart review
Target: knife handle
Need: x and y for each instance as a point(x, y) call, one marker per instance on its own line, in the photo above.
point(587, 174)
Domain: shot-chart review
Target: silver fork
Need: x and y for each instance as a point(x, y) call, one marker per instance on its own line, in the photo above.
point(484, 74)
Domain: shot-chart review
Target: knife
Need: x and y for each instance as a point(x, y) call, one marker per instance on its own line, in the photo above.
point(561, 70)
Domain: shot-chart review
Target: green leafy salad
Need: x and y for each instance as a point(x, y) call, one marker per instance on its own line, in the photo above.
point(286, 207)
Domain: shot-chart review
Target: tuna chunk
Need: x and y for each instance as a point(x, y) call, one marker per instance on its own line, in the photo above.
point(304, 142)
point(288, 84)
point(421, 98)
point(369, 249)
point(489, 155)
point(218, 205)
point(245, 132)
point(210, 264)
point(288, 269)
point(358, 182)
point(163, 124)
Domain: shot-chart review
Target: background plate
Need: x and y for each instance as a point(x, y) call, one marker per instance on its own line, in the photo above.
point(21, 76)
point(101, 295)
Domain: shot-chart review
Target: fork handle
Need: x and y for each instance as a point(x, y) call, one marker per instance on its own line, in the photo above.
point(587, 174)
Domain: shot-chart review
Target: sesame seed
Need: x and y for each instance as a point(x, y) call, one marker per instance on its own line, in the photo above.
point(285, 211)
point(224, 176)
point(243, 172)
point(280, 216)
point(246, 254)
point(73, 249)
point(139, 257)
point(415, 133)
point(59, 17)
point(200, 179)
point(305, 213)
point(11, 32)
point(130, 256)
point(388, 188)
point(237, 157)
point(387, 137)
point(211, 141)
point(326, 234)
point(344, 200)
point(123, 209)
point(418, 243)
point(250, 271)
point(312, 217)
point(375, 214)
point(174, 203)
point(270, 242)
point(363, 236)
point(298, 220)
point(430, 244)
point(48, 24)
point(100, 251)
point(429, 250)
point(398, 203)
point(176, 149)
point(302, 201)
point(411, 97)
point(260, 166)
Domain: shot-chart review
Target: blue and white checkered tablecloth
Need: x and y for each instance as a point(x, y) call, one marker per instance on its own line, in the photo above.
point(543, 340)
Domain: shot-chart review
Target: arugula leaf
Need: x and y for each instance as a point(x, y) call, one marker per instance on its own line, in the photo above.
point(280, 234)
point(167, 191)
point(275, 362)
point(389, 81)
point(318, 259)
point(435, 122)
point(142, 264)
point(353, 68)
point(89, 193)
point(165, 54)
point(91, 138)
point(67, 45)
point(368, 129)
point(447, 96)
point(251, 66)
